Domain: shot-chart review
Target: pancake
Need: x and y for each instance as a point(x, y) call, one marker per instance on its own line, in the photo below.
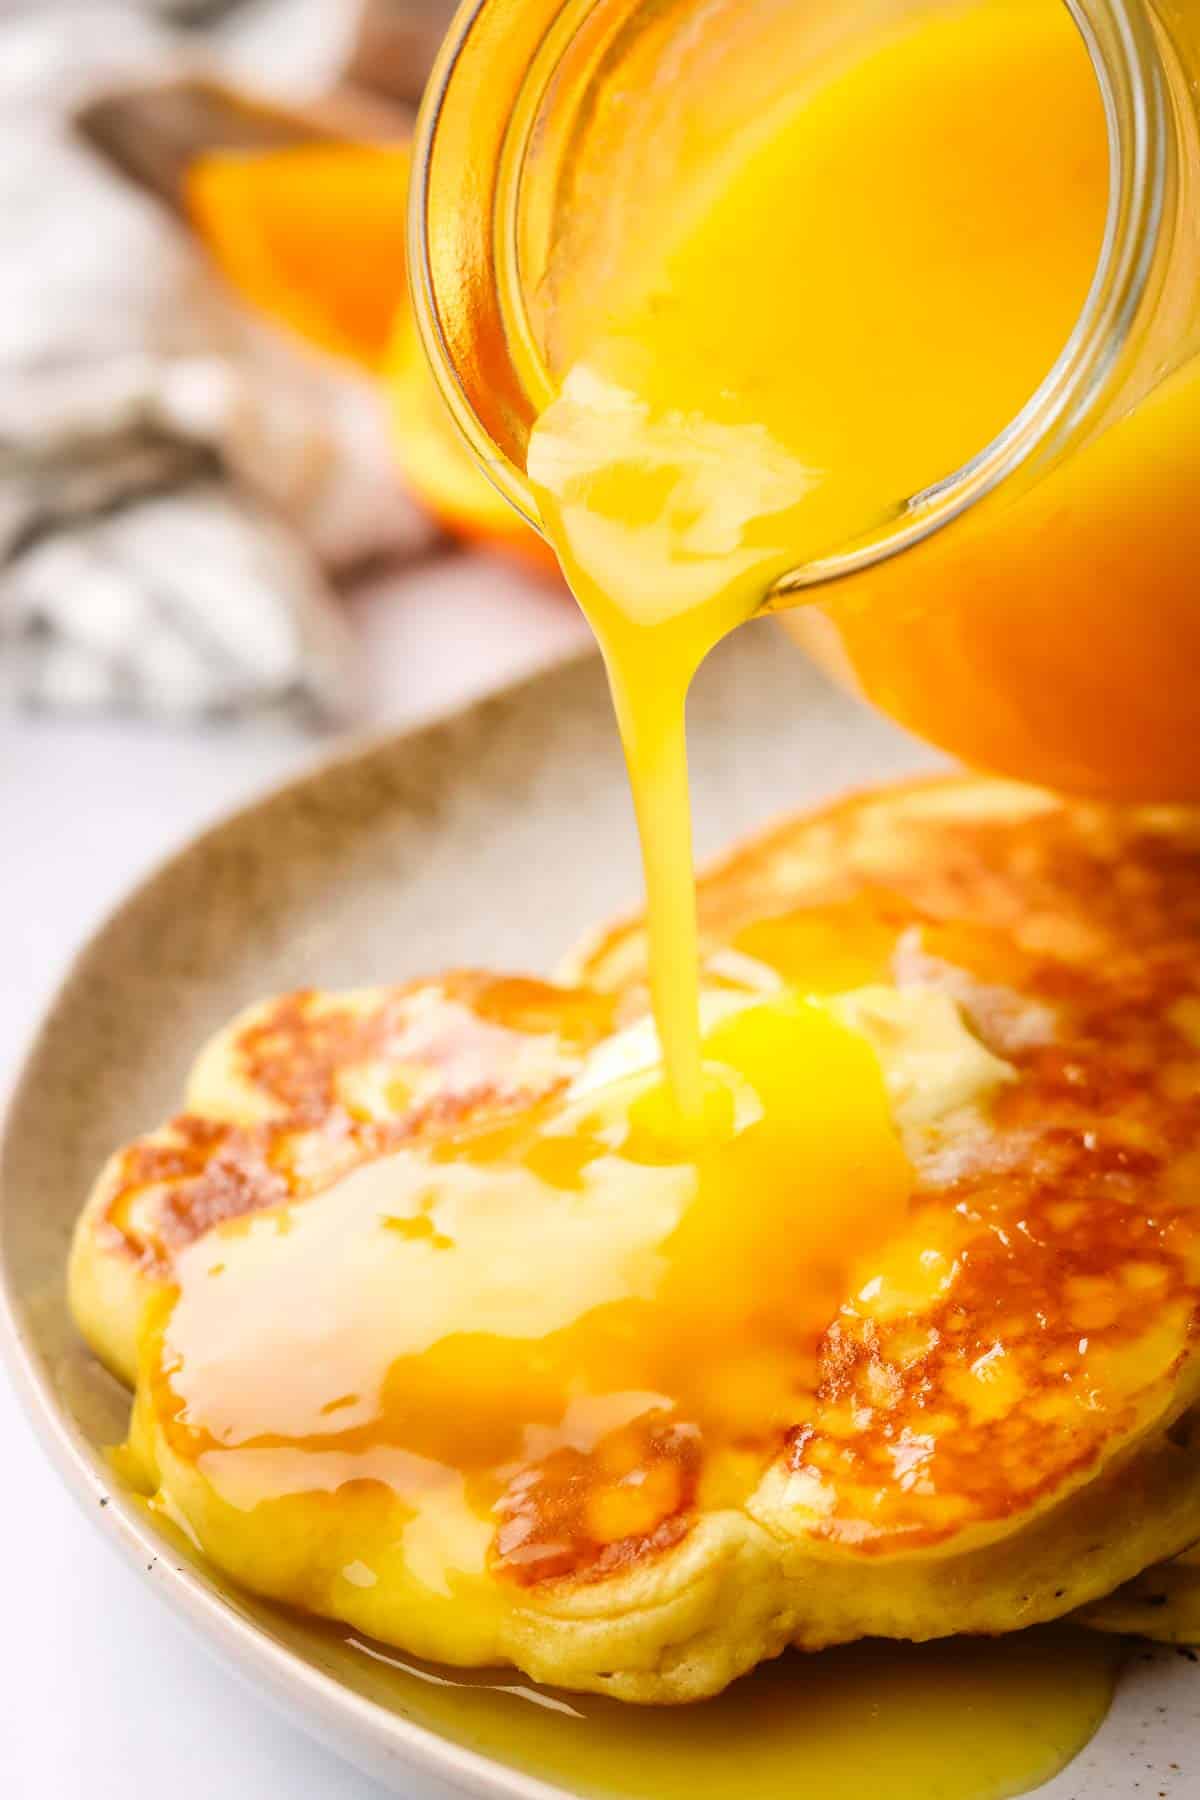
point(294, 1092)
point(1163, 1603)
point(995, 1426)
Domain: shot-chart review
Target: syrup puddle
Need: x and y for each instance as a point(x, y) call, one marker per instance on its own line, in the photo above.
point(958, 1719)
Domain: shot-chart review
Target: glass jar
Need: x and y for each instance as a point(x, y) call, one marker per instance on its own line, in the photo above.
point(1034, 612)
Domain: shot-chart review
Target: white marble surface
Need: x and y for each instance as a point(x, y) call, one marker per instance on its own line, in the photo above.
point(103, 1693)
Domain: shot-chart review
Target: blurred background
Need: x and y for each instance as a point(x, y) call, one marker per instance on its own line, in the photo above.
point(235, 520)
point(235, 528)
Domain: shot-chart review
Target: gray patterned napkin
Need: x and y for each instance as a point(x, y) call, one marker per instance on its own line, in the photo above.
point(178, 484)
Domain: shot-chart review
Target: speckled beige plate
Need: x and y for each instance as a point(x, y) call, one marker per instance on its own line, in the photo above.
point(493, 836)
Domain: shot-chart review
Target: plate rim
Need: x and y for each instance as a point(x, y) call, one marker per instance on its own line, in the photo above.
point(313, 1700)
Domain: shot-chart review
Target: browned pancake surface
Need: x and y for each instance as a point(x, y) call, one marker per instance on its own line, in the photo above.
point(1066, 1219)
point(440, 1053)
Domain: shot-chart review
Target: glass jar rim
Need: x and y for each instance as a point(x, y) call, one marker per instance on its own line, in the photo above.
point(1129, 74)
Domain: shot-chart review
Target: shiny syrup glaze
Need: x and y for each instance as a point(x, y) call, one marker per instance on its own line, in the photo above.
point(548, 1280)
point(318, 1104)
point(1074, 1203)
point(1067, 938)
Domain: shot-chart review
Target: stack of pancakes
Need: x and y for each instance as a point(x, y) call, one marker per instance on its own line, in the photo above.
point(1014, 1444)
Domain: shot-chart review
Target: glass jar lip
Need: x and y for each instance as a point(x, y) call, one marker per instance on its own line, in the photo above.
point(1130, 78)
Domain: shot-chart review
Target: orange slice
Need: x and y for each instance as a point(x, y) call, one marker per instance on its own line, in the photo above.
point(437, 464)
point(313, 236)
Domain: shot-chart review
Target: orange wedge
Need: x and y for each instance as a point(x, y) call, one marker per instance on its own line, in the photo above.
point(438, 466)
point(313, 236)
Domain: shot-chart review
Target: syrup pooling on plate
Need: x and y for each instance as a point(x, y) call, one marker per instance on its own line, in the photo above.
point(999, 1373)
point(860, 293)
point(965, 1720)
point(564, 1316)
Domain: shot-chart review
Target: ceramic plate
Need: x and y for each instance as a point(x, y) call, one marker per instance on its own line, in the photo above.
point(494, 836)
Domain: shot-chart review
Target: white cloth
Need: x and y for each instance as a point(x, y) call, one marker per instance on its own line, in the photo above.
point(177, 481)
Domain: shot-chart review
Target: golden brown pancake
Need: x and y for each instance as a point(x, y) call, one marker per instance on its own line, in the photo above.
point(297, 1090)
point(995, 1427)
point(1162, 1603)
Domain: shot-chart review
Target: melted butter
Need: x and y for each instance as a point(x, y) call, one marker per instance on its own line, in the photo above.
point(843, 312)
point(957, 1720)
